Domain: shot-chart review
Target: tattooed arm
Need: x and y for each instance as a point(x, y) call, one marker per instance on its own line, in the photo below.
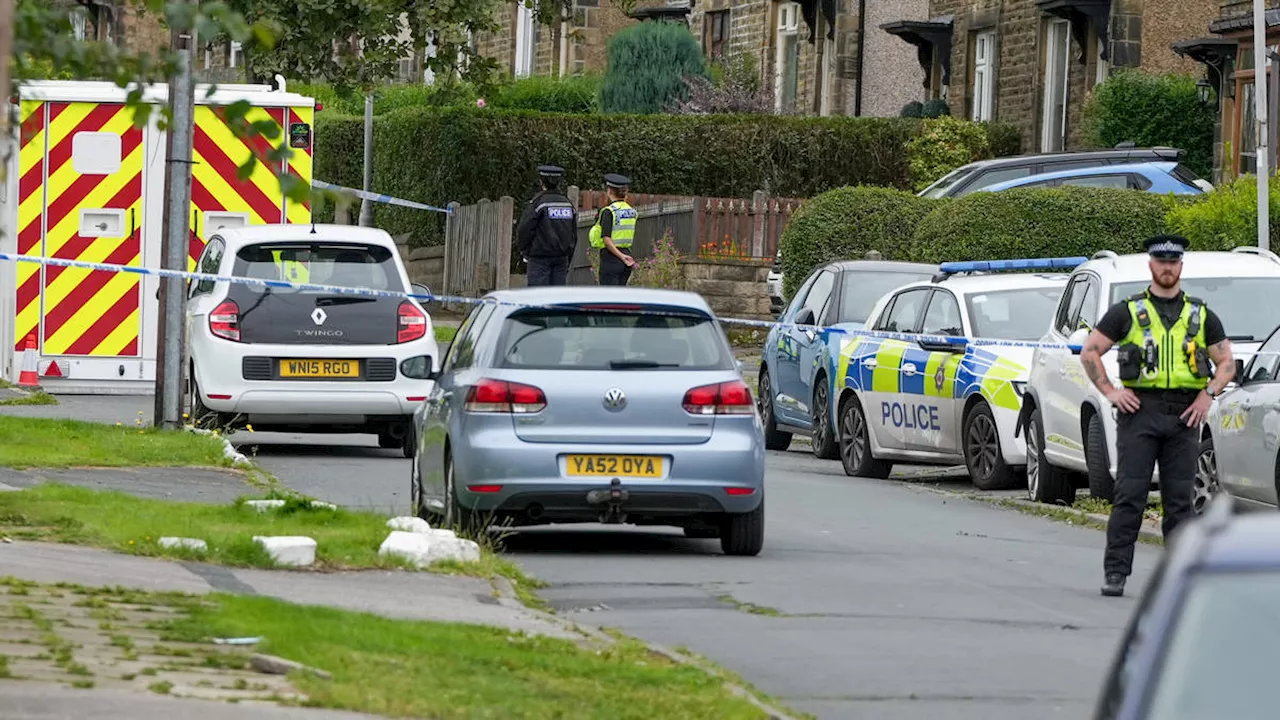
point(1095, 346)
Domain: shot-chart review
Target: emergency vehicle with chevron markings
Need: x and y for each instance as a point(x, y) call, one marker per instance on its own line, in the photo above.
point(86, 183)
point(932, 388)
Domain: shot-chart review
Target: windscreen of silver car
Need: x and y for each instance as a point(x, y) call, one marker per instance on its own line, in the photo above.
point(859, 291)
point(1020, 314)
point(586, 340)
point(1245, 305)
point(291, 316)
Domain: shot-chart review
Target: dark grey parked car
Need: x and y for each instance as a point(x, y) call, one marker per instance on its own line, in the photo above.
point(977, 175)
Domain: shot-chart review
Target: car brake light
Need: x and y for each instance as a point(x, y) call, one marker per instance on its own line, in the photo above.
point(501, 396)
point(726, 398)
point(484, 488)
point(413, 323)
point(224, 321)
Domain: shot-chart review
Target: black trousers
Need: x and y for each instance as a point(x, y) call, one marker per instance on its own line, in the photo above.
point(547, 271)
point(612, 270)
point(1154, 434)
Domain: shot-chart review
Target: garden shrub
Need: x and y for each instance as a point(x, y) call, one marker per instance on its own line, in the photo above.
point(571, 94)
point(1038, 222)
point(1152, 109)
point(944, 144)
point(844, 224)
point(466, 154)
point(648, 64)
point(1228, 216)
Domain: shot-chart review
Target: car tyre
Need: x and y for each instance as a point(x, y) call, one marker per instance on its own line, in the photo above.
point(855, 444)
point(774, 439)
point(821, 437)
point(416, 499)
point(982, 455)
point(457, 518)
point(1206, 482)
point(387, 441)
point(200, 416)
point(1045, 483)
point(409, 443)
point(743, 533)
point(1101, 484)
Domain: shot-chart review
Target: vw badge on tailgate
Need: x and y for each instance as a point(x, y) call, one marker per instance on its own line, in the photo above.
point(615, 399)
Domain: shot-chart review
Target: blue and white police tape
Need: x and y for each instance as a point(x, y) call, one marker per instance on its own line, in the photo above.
point(376, 197)
point(939, 340)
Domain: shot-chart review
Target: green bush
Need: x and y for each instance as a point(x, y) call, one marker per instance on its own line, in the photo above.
point(1038, 222)
point(572, 94)
point(1150, 110)
point(844, 224)
point(1228, 216)
point(465, 154)
point(944, 144)
point(648, 63)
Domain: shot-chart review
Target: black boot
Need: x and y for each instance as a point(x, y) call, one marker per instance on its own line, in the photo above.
point(1114, 586)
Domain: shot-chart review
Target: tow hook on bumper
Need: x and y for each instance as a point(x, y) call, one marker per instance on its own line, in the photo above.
point(612, 500)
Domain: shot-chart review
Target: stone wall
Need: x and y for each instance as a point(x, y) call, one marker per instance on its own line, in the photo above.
point(733, 288)
point(1165, 22)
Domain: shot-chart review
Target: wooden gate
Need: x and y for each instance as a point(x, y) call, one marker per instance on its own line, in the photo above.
point(477, 249)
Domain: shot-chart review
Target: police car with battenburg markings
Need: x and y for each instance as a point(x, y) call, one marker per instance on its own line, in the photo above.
point(939, 378)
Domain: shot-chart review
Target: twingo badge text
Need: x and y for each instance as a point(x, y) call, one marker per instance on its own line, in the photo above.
point(923, 417)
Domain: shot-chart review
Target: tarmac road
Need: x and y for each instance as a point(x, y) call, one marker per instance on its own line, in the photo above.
point(876, 599)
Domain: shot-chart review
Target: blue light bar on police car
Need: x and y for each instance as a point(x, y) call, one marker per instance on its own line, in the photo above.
point(1026, 264)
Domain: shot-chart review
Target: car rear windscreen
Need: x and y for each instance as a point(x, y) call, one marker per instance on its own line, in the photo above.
point(859, 290)
point(1245, 305)
point(586, 339)
point(1022, 314)
point(353, 265)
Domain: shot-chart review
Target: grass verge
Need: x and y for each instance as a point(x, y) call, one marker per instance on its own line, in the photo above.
point(445, 333)
point(45, 443)
point(425, 669)
point(39, 397)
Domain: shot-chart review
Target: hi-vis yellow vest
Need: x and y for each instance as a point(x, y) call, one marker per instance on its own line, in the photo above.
point(292, 270)
point(1174, 370)
point(624, 226)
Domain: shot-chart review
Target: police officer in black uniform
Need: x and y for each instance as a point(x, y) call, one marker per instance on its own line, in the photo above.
point(1166, 342)
point(548, 231)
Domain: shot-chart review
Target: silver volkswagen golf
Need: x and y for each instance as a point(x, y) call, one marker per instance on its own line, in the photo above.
point(592, 404)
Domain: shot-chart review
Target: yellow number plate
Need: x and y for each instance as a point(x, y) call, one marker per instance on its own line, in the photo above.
point(320, 368)
point(637, 466)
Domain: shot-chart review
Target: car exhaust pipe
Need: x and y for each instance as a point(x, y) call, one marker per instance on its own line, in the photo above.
point(398, 431)
point(534, 511)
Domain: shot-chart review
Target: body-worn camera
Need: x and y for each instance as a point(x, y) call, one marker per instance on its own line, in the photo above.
point(1136, 360)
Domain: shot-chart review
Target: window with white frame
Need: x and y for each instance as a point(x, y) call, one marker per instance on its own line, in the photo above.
point(526, 40)
point(1057, 63)
point(984, 76)
point(787, 62)
point(234, 53)
point(1104, 67)
point(829, 58)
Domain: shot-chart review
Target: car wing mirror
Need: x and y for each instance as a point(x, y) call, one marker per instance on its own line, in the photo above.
point(957, 346)
point(805, 317)
point(1240, 378)
point(421, 290)
point(1077, 338)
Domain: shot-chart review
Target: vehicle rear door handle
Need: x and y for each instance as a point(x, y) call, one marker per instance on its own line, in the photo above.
point(870, 362)
point(908, 369)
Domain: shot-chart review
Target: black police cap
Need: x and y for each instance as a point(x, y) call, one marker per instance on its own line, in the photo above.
point(614, 180)
point(550, 171)
point(1166, 246)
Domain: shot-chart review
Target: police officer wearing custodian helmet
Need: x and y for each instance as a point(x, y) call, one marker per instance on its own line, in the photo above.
point(613, 232)
point(548, 231)
point(1167, 340)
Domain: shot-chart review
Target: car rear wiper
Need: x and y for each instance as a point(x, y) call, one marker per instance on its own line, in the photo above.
point(1242, 338)
point(638, 364)
point(343, 300)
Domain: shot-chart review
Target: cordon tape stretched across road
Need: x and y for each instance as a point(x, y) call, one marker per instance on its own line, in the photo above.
point(371, 292)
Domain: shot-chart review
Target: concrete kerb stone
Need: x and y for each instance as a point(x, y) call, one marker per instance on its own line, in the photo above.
point(228, 450)
point(289, 550)
point(182, 542)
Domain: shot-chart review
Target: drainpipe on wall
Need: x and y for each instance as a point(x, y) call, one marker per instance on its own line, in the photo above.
point(862, 53)
point(564, 47)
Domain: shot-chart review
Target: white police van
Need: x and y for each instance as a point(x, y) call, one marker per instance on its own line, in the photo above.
point(940, 379)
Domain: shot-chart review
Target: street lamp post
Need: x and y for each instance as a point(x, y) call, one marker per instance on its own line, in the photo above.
point(1260, 105)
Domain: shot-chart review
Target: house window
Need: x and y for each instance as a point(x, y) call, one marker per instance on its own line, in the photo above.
point(788, 58)
point(233, 53)
point(80, 23)
point(526, 40)
point(829, 58)
point(984, 76)
point(1057, 55)
point(715, 31)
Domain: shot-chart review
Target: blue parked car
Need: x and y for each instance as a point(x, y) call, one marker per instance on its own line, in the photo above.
point(1153, 177)
point(1201, 643)
point(794, 392)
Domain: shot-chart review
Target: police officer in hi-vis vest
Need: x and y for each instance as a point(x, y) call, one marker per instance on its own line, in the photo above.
point(613, 232)
point(1167, 340)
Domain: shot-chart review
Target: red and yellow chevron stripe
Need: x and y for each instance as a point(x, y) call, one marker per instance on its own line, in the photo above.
point(31, 161)
point(92, 312)
point(215, 186)
point(300, 161)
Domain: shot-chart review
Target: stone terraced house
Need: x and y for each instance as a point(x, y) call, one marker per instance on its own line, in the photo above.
point(1033, 62)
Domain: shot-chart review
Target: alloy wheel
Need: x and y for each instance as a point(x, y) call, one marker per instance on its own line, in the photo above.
point(852, 426)
point(1206, 484)
point(983, 444)
point(1033, 459)
point(820, 424)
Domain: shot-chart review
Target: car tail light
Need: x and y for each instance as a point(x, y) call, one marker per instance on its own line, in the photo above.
point(484, 488)
point(739, 491)
point(501, 396)
point(224, 321)
point(413, 323)
point(726, 398)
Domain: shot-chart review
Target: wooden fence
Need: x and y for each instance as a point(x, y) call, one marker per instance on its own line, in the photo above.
point(717, 227)
point(477, 248)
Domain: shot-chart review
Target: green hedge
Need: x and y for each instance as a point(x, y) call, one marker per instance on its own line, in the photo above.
point(846, 223)
point(1152, 109)
point(572, 94)
point(438, 155)
point(1038, 222)
point(1228, 216)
